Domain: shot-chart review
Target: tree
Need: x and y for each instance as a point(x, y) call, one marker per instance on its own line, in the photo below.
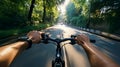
point(13, 13)
point(16, 13)
point(77, 12)
point(102, 14)
point(31, 10)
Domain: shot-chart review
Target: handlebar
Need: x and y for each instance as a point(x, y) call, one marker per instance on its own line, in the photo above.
point(46, 38)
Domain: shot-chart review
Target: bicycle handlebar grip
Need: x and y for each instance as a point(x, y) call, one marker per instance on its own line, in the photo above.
point(44, 38)
point(73, 42)
point(92, 41)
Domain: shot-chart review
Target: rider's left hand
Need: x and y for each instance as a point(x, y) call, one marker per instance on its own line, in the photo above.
point(35, 36)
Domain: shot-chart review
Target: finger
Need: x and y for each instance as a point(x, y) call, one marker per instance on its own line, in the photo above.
point(29, 33)
point(79, 37)
point(41, 32)
point(79, 42)
point(34, 30)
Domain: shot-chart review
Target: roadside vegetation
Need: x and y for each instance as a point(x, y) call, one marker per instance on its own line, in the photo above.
point(102, 15)
point(20, 16)
point(22, 30)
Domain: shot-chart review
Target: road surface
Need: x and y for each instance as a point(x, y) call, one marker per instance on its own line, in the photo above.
point(41, 55)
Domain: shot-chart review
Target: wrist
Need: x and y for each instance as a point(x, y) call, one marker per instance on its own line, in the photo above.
point(23, 44)
point(87, 44)
point(27, 41)
point(20, 45)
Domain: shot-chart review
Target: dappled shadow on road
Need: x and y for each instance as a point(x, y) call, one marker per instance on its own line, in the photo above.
point(41, 55)
point(55, 32)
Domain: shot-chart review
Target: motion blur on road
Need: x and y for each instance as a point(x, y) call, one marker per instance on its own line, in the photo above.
point(41, 55)
point(17, 17)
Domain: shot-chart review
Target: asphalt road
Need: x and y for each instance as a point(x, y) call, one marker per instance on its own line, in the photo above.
point(41, 55)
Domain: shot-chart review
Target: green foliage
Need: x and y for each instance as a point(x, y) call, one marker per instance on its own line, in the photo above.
point(14, 15)
point(22, 30)
point(103, 15)
point(106, 13)
point(51, 12)
point(77, 13)
point(70, 11)
point(15, 12)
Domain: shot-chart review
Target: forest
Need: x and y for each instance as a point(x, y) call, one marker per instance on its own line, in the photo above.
point(21, 16)
point(102, 15)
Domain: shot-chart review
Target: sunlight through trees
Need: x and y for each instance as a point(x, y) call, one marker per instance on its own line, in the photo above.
point(98, 14)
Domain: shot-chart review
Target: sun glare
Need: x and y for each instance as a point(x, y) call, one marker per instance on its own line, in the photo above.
point(63, 6)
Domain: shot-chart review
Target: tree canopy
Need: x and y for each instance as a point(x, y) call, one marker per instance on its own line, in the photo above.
point(14, 13)
point(98, 14)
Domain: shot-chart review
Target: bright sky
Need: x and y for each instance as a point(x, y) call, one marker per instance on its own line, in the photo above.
point(63, 6)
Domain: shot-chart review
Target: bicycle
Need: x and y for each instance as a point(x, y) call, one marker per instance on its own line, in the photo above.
point(58, 61)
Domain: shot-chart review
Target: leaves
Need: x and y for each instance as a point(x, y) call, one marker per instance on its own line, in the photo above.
point(14, 12)
point(103, 15)
point(77, 12)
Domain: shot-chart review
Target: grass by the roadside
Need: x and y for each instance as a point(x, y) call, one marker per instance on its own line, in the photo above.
point(22, 30)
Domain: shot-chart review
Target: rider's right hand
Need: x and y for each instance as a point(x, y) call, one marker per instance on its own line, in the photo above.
point(82, 39)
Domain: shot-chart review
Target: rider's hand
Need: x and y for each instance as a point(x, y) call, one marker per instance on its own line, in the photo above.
point(35, 36)
point(82, 39)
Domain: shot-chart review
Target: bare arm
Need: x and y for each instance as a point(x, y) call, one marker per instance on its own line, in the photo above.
point(9, 52)
point(96, 57)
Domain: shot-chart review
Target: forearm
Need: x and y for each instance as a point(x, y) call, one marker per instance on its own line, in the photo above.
point(9, 52)
point(97, 58)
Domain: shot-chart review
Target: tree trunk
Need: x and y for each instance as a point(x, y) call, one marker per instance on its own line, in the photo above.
point(44, 11)
point(31, 10)
point(88, 22)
